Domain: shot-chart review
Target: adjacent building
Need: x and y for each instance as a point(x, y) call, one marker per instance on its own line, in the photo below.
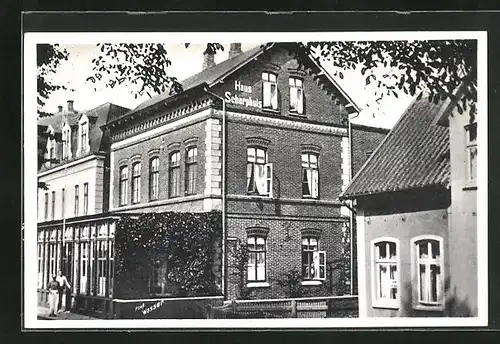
point(416, 217)
point(72, 235)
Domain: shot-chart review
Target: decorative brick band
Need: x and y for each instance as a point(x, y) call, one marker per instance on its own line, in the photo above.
point(135, 158)
point(193, 141)
point(261, 231)
point(123, 162)
point(175, 146)
point(310, 232)
point(154, 152)
point(258, 141)
point(311, 148)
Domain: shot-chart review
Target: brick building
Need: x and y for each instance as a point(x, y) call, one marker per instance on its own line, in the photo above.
point(264, 137)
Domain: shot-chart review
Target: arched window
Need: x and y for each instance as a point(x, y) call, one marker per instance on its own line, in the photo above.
point(123, 185)
point(136, 182)
point(191, 167)
point(427, 259)
point(385, 272)
point(174, 173)
point(154, 178)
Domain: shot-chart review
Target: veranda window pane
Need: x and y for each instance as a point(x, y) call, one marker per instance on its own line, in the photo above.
point(392, 250)
point(435, 276)
point(423, 250)
point(383, 278)
point(435, 249)
point(382, 251)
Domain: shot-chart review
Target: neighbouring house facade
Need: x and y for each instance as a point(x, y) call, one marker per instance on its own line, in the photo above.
point(415, 218)
point(72, 235)
point(262, 136)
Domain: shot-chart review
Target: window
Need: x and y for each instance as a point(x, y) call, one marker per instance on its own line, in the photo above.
point(67, 143)
point(46, 209)
point(102, 253)
point(310, 175)
point(53, 205)
point(52, 260)
point(313, 260)
point(471, 147)
point(158, 281)
point(136, 182)
point(111, 266)
point(67, 258)
point(154, 176)
point(256, 258)
point(77, 201)
point(192, 155)
point(123, 185)
point(84, 259)
point(85, 198)
point(259, 172)
point(385, 273)
point(174, 172)
point(84, 130)
point(269, 91)
point(40, 265)
point(296, 96)
point(428, 267)
point(63, 202)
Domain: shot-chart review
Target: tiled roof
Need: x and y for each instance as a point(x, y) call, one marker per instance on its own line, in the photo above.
point(414, 154)
point(57, 120)
point(209, 75)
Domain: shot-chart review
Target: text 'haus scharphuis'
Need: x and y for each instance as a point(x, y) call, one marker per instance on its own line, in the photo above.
point(263, 137)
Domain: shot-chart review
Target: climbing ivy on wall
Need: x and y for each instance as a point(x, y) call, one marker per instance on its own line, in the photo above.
point(188, 242)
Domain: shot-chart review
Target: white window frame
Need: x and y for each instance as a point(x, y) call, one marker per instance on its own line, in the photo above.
point(83, 128)
point(84, 252)
point(378, 302)
point(66, 137)
point(123, 186)
point(312, 175)
point(270, 99)
point(255, 266)
point(296, 86)
point(136, 182)
point(262, 172)
point(102, 268)
point(174, 168)
point(154, 178)
point(191, 170)
point(470, 145)
point(415, 262)
point(318, 260)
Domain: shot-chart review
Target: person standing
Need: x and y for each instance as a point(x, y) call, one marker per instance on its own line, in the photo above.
point(53, 288)
point(64, 290)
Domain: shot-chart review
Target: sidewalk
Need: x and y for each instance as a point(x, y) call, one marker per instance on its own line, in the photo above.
point(43, 314)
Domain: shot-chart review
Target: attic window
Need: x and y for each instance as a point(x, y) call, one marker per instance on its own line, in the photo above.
point(269, 91)
point(84, 136)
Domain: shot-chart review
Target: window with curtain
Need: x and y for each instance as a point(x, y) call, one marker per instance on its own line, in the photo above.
point(256, 266)
point(385, 265)
point(428, 265)
point(269, 91)
point(310, 175)
point(259, 172)
point(296, 96)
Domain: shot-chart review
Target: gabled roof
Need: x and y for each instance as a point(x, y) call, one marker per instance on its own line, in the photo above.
point(218, 72)
point(57, 120)
point(415, 154)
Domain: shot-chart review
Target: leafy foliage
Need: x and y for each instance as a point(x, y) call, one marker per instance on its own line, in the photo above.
point(187, 241)
point(239, 253)
point(48, 59)
point(439, 66)
point(292, 283)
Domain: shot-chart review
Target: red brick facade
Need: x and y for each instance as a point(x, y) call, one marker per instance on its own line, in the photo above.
point(284, 216)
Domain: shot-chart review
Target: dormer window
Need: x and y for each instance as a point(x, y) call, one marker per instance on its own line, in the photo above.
point(66, 138)
point(296, 96)
point(84, 135)
point(51, 146)
point(269, 91)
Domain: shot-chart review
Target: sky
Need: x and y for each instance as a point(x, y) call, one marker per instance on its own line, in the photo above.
point(188, 61)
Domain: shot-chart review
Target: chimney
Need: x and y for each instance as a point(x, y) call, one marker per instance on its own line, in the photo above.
point(208, 60)
point(70, 106)
point(235, 50)
point(59, 108)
